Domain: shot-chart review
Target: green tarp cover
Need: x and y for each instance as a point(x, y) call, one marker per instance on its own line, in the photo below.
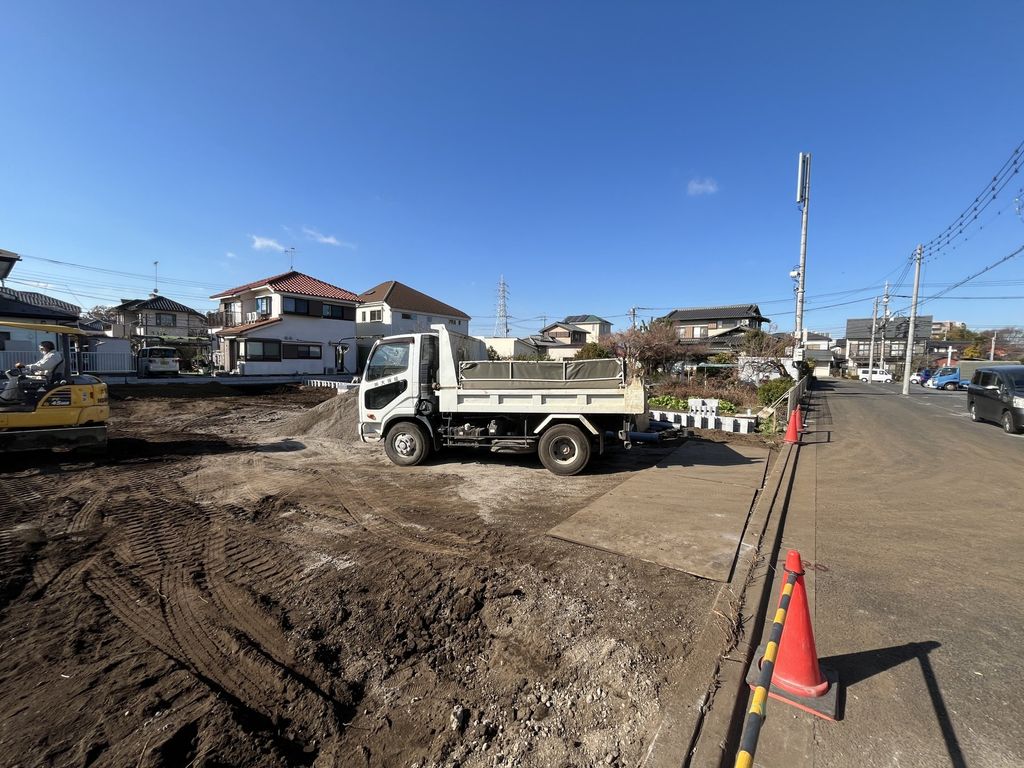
point(525, 374)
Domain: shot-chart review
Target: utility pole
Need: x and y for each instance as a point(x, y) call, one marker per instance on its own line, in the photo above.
point(909, 355)
point(992, 351)
point(885, 322)
point(803, 198)
point(632, 317)
point(871, 349)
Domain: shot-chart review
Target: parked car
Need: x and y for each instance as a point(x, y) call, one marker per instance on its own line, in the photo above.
point(997, 394)
point(874, 374)
point(920, 377)
point(158, 361)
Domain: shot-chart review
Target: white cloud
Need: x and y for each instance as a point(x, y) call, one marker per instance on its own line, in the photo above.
point(231, 255)
point(706, 186)
point(266, 244)
point(323, 239)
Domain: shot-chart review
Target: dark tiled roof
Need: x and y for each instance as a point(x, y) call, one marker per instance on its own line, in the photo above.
point(400, 296)
point(156, 304)
point(725, 312)
point(294, 282)
point(15, 308)
point(585, 319)
point(567, 325)
point(42, 300)
point(859, 329)
point(241, 330)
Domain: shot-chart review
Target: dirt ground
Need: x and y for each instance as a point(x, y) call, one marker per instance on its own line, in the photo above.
point(240, 582)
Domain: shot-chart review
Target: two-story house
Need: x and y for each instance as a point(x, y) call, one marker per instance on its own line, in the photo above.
point(393, 307)
point(156, 319)
point(720, 329)
point(567, 339)
point(597, 328)
point(288, 323)
point(890, 342)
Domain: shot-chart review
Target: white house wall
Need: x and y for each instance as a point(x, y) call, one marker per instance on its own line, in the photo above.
point(296, 329)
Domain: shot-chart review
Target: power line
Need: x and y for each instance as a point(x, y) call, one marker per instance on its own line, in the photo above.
point(967, 279)
point(977, 206)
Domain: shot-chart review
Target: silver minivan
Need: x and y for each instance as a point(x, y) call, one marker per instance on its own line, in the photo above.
point(158, 361)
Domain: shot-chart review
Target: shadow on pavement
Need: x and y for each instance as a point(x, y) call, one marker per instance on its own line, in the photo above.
point(855, 667)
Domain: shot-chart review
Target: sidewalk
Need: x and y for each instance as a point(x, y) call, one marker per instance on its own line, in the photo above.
point(916, 596)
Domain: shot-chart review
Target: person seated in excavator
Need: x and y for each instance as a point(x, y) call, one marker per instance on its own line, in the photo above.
point(25, 383)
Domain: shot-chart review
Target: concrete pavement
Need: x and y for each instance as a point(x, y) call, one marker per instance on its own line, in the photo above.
point(909, 517)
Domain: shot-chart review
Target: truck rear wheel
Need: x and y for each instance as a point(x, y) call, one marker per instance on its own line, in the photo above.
point(564, 450)
point(406, 444)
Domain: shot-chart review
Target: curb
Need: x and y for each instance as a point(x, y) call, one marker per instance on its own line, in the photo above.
point(693, 732)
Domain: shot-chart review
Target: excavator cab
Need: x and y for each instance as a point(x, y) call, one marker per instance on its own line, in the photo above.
point(64, 409)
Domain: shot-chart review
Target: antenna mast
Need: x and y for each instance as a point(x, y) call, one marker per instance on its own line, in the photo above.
point(156, 277)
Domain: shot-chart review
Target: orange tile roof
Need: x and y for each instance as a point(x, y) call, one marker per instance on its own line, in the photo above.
point(294, 282)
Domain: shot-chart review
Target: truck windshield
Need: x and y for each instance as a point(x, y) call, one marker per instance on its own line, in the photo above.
point(945, 371)
point(388, 359)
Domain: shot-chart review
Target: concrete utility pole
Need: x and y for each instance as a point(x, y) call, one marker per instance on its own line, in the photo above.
point(908, 357)
point(992, 351)
point(871, 349)
point(885, 322)
point(803, 198)
point(632, 317)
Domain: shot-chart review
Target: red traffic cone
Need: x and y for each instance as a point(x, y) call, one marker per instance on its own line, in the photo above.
point(799, 419)
point(798, 678)
point(792, 433)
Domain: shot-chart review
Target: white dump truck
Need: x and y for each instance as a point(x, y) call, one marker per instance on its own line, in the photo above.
point(422, 392)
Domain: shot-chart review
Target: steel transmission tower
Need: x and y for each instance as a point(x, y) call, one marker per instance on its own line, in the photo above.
point(501, 323)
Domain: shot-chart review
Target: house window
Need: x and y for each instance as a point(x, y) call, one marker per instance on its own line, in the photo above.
point(300, 352)
point(338, 312)
point(294, 306)
point(375, 315)
point(406, 316)
point(898, 348)
point(165, 319)
point(700, 331)
point(263, 351)
point(263, 305)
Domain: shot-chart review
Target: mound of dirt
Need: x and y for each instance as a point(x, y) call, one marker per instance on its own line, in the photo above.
point(337, 418)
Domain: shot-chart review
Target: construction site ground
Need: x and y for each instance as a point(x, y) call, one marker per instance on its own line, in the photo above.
point(239, 581)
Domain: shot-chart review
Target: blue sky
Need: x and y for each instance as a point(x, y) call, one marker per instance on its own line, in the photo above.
point(598, 155)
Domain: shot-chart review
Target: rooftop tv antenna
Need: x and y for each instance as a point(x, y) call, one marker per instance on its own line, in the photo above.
point(156, 277)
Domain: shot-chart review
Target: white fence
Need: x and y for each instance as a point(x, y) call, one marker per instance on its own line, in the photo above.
point(107, 362)
point(89, 362)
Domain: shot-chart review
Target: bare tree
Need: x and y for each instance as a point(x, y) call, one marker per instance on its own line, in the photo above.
point(765, 352)
point(104, 314)
point(648, 347)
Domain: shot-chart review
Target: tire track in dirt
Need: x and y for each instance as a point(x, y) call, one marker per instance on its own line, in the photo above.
point(168, 580)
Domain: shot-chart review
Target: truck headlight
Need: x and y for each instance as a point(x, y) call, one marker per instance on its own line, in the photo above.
point(1018, 401)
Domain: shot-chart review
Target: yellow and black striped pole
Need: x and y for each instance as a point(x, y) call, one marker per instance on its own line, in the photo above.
point(756, 713)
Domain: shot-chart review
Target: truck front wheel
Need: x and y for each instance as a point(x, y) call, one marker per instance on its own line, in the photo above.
point(949, 387)
point(406, 444)
point(564, 449)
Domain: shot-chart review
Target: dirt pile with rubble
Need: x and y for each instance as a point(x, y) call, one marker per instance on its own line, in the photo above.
point(240, 582)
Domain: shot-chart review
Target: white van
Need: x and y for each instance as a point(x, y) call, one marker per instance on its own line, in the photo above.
point(158, 361)
point(874, 374)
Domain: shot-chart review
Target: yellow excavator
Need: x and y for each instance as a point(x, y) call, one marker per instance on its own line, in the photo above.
point(62, 410)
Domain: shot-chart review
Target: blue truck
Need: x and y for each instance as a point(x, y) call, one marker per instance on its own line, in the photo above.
point(959, 376)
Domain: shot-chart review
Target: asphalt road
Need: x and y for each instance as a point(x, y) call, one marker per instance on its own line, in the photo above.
point(919, 590)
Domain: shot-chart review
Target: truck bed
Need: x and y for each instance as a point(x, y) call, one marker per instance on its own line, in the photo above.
point(523, 374)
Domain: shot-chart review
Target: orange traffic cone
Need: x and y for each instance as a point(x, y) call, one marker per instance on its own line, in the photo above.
point(798, 677)
point(792, 432)
point(799, 419)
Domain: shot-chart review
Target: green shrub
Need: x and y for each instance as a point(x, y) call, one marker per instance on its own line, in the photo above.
point(772, 390)
point(726, 408)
